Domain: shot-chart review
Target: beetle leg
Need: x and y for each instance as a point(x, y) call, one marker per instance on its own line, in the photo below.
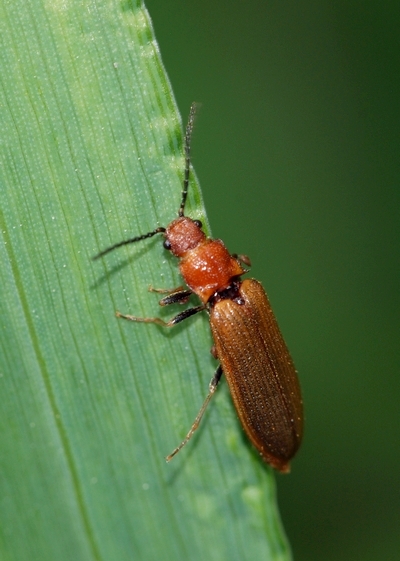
point(178, 295)
point(177, 319)
point(243, 258)
point(213, 351)
point(166, 290)
point(215, 379)
point(211, 390)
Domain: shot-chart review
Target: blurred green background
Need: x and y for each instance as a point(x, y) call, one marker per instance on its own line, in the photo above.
point(297, 151)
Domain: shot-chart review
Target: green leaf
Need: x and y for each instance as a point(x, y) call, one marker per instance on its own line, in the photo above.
point(91, 153)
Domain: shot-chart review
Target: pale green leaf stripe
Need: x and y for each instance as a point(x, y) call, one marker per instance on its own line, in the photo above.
point(91, 153)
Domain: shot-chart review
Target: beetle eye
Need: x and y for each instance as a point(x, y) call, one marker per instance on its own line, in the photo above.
point(167, 244)
point(198, 223)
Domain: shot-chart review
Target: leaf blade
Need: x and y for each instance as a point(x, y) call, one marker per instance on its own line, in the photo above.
point(92, 404)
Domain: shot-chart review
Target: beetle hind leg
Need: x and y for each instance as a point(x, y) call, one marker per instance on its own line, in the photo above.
point(211, 390)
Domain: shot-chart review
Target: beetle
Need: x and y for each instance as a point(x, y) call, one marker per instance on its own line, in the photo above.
point(247, 341)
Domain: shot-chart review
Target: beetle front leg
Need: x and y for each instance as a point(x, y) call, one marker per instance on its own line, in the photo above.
point(178, 295)
point(166, 290)
point(177, 319)
point(243, 258)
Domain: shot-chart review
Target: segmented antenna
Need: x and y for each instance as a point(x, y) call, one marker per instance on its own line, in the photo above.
point(131, 240)
point(188, 136)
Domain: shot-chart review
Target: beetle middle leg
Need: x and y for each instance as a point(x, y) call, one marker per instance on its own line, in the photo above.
point(211, 390)
point(177, 319)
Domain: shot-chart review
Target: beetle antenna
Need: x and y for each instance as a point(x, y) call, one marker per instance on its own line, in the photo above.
point(188, 136)
point(131, 240)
